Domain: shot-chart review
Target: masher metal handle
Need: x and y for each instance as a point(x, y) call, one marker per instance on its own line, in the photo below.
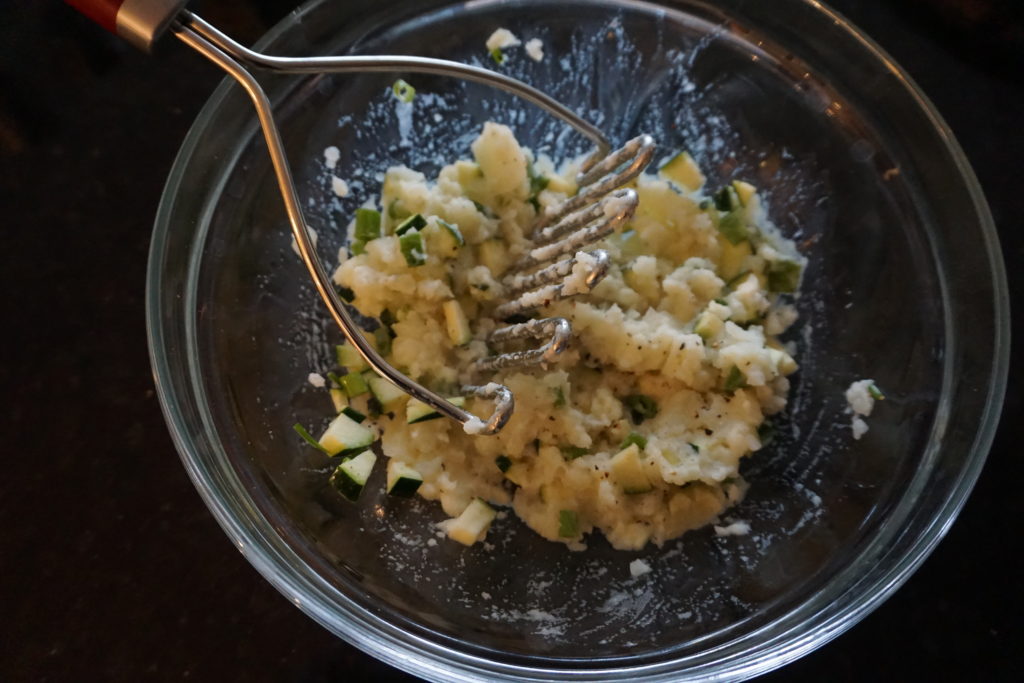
point(141, 22)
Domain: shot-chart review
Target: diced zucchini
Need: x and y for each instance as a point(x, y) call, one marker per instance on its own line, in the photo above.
point(346, 294)
point(354, 384)
point(387, 394)
point(411, 244)
point(413, 222)
point(731, 258)
point(345, 435)
point(517, 472)
point(339, 399)
point(707, 325)
point(351, 476)
point(452, 232)
point(367, 224)
point(568, 524)
point(418, 411)
point(784, 363)
point(783, 276)
point(403, 480)
point(349, 358)
point(456, 323)
point(471, 178)
point(397, 210)
point(472, 525)
point(683, 170)
point(494, 255)
point(354, 414)
point(733, 226)
point(726, 199)
point(744, 191)
point(628, 472)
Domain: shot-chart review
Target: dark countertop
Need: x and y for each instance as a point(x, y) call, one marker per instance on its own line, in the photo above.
point(111, 568)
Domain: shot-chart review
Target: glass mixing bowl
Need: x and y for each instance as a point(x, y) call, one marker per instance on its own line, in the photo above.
point(905, 285)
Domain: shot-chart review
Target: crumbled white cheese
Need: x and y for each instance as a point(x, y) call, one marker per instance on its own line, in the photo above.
point(331, 156)
point(860, 402)
point(317, 380)
point(638, 568)
point(339, 186)
point(859, 397)
point(734, 529)
point(474, 425)
point(535, 49)
point(859, 427)
point(501, 39)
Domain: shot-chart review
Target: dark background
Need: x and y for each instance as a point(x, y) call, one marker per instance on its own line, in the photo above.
point(110, 566)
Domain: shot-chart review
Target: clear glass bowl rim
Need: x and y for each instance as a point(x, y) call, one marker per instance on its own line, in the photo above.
point(258, 541)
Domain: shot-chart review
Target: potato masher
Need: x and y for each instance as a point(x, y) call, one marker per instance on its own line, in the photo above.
point(593, 213)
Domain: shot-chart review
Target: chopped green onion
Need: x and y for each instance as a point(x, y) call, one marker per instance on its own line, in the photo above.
point(403, 91)
point(735, 380)
point(413, 222)
point(498, 56)
point(308, 438)
point(639, 439)
point(538, 183)
point(334, 379)
point(503, 462)
point(367, 224)
point(766, 432)
point(559, 397)
point(695, 447)
point(641, 407)
point(357, 247)
point(411, 244)
point(568, 524)
point(573, 452)
point(876, 393)
point(345, 293)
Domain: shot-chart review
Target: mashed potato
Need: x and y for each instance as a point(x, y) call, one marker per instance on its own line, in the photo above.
point(636, 431)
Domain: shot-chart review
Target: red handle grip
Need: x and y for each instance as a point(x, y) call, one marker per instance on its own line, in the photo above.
point(140, 22)
point(103, 12)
